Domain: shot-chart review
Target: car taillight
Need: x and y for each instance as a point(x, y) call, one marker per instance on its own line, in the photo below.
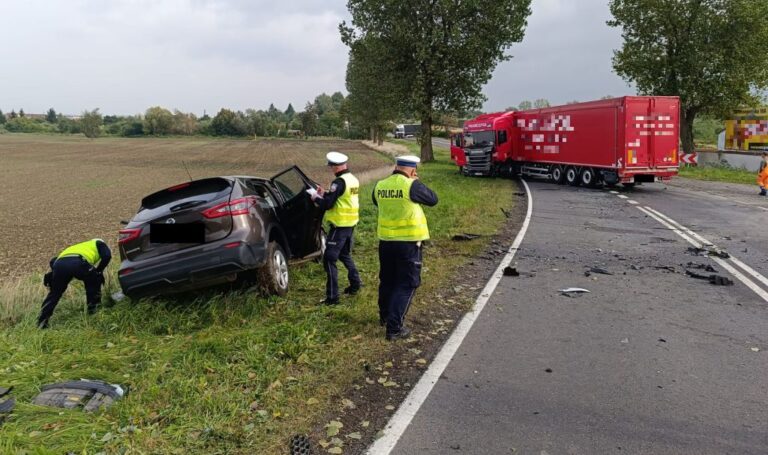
point(126, 235)
point(239, 206)
point(125, 271)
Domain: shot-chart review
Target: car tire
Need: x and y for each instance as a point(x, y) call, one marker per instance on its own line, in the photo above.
point(273, 276)
point(558, 176)
point(572, 176)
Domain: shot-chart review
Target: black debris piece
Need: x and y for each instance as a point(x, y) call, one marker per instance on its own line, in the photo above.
point(300, 445)
point(634, 267)
point(511, 271)
point(90, 395)
point(505, 212)
point(706, 267)
point(717, 280)
point(600, 270)
point(662, 340)
point(697, 251)
point(668, 268)
point(719, 253)
point(464, 237)
point(548, 370)
point(519, 194)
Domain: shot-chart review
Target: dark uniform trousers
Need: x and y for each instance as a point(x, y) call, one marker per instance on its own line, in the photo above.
point(339, 247)
point(399, 276)
point(64, 270)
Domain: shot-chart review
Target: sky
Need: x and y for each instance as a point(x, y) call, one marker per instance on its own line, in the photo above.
point(124, 56)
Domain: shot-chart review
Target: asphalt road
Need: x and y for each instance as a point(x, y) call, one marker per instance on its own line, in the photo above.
point(649, 362)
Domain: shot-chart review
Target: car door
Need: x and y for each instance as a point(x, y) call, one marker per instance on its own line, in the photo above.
point(299, 217)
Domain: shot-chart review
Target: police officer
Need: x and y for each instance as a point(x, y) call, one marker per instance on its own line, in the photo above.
point(402, 227)
point(85, 261)
point(342, 206)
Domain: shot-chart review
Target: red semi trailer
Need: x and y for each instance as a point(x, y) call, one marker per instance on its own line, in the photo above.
point(626, 140)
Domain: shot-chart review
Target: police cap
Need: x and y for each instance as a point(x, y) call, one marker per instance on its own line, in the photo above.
point(408, 161)
point(336, 158)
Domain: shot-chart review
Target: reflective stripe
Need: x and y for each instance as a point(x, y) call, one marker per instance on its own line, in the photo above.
point(346, 211)
point(87, 250)
point(400, 219)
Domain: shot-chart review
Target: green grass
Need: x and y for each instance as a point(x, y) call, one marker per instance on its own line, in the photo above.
point(719, 174)
point(225, 372)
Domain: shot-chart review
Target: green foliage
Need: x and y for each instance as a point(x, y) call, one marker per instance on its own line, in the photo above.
point(90, 123)
point(525, 105)
point(51, 116)
point(3, 119)
point(711, 53)
point(13, 114)
point(21, 113)
point(290, 111)
point(158, 121)
point(228, 123)
point(706, 129)
point(69, 126)
point(719, 173)
point(541, 103)
point(308, 119)
point(441, 51)
point(28, 125)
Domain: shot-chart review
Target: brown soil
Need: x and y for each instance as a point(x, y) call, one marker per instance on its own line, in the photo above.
point(58, 190)
point(407, 360)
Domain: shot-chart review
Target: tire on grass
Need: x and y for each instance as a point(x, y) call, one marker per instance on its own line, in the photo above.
point(273, 276)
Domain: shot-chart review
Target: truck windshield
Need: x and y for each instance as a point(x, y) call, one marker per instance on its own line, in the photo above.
point(479, 139)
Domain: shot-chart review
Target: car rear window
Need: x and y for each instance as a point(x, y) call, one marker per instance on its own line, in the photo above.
point(198, 188)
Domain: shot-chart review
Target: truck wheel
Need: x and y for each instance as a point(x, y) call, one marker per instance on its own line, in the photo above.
point(572, 176)
point(273, 276)
point(589, 178)
point(558, 176)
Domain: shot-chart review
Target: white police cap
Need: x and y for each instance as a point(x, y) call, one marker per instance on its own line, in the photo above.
point(408, 160)
point(336, 158)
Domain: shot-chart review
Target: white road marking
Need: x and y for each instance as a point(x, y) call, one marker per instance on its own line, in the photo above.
point(408, 409)
point(698, 241)
point(632, 202)
point(614, 192)
point(623, 197)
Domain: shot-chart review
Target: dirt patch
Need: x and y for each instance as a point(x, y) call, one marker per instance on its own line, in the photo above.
point(58, 190)
point(367, 406)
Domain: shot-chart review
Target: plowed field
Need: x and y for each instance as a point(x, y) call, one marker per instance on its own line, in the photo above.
point(58, 190)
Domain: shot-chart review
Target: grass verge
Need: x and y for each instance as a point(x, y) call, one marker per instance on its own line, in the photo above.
point(224, 372)
point(718, 174)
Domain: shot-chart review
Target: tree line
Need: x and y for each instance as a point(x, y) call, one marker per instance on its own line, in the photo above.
point(327, 115)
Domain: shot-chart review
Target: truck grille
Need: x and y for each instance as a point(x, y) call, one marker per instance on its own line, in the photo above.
point(478, 161)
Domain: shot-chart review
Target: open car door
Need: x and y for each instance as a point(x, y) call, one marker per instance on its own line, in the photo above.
point(300, 218)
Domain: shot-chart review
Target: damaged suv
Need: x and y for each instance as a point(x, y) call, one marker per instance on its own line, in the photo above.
point(216, 230)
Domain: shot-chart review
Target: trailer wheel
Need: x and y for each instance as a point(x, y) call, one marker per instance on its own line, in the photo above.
point(589, 178)
point(572, 176)
point(558, 176)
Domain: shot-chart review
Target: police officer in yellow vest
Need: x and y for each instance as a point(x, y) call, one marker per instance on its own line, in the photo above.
point(401, 229)
point(342, 206)
point(85, 261)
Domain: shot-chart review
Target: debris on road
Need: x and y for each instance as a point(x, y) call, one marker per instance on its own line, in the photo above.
point(464, 237)
point(573, 292)
point(717, 280)
point(600, 270)
point(696, 251)
point(668, 268)
point(755, 349)
point(511, 271)
point(506, 213)
point(705, 267)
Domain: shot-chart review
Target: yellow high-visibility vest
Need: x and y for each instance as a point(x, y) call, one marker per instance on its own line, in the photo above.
point(400, 219)
point(87, 250)
point(346, 211)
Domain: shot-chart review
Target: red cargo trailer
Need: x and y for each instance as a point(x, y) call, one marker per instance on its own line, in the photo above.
point(626, 140)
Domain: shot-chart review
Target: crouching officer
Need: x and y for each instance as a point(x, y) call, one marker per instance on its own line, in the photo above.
point(342, 206)
point(402, 227)
point(78, 261)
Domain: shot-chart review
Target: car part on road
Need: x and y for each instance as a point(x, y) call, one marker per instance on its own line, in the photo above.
point(511, 271)
point(573, 292)
point(717, 280)
point(705, 267)
point(91, 395)
point(600, 270)
point(300, 445)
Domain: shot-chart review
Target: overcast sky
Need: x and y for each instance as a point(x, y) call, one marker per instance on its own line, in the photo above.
point(126, 55)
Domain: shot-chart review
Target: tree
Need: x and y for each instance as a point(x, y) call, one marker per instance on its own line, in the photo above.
point(421, 38)
point(90, 123)
point(308, 119)
point(2, 118)
point(525, 105)
point(13, 114)
point(184, 123)
point(158, 121)
point(21, 113)
point(51, 116)
point(290, 111)
point(541, 103)
point(228, 123)
point(710, 53)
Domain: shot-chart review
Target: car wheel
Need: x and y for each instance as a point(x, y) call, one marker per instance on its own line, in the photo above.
point(273, 276)
point(558, 176)
point(572, 176)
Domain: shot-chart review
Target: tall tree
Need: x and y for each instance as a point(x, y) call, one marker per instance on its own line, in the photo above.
point(13, 114)
point(21, 113)
point(541, 103)
point(158, 121)
point(525, 105)
point(444, 50)
point(51, 116)
point(308, 119)
point(290, 111)
point(2, 118)
point(713, 54)
point(90, 123)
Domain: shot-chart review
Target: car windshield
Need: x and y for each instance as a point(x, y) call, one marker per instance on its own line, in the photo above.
point(479, 139)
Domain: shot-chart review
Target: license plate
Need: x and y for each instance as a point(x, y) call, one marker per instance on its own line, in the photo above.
point(177, 233)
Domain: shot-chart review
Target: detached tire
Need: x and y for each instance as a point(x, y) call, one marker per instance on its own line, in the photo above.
point(273, 277)
point(558, 175)
point(572, 176)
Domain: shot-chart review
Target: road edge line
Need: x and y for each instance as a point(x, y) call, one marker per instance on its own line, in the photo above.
point(400, 421)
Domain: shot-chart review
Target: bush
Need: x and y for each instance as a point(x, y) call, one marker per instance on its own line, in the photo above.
point(27, 125)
